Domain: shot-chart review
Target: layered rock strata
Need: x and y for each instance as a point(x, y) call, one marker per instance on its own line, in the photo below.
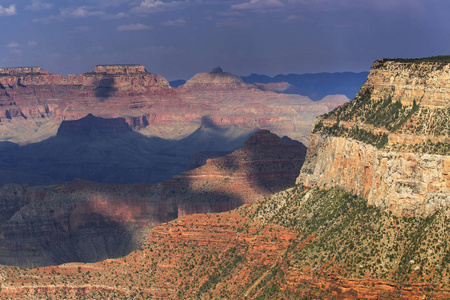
point(406, 81)
point(391, 143)
point(278, 248)
point(405, 183)
point(34, 102)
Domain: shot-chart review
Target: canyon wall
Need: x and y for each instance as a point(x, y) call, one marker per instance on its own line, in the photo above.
point(390, 145)
point(405, 183)
point(34, 102)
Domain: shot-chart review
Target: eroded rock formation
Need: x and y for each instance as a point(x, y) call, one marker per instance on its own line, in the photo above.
point(34, 103)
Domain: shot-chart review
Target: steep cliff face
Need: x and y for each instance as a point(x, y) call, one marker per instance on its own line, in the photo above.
point(391, 144)
point(34, 102)
point(408, 80)
point(403, 182)
point(91, 124)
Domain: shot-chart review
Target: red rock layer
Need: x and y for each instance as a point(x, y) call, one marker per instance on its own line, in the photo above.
point(208, 257)
point(34, 102)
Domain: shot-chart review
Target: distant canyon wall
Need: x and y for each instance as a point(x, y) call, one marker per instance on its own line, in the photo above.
point(34, 102)
point(87, 221)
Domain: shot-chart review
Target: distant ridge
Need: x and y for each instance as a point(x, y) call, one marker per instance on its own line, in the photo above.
point(91, 125)
point(316, 86)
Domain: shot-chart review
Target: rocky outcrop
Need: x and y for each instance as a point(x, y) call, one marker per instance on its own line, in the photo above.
point(89, 221)
point(107, 150)
point(273, 249)
point(264, 165)
point(23, 71)
point(390, 144)
point(425, 81)
point(119, 69)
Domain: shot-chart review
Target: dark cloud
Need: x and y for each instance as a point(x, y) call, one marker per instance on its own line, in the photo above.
point(243, 36)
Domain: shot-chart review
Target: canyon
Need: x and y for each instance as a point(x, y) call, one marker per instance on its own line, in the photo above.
point(109, 151)
point(88, 221)
point(367, 218)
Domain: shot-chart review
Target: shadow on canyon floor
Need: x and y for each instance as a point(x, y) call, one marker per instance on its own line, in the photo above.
point(87, 221)
point(99, 150)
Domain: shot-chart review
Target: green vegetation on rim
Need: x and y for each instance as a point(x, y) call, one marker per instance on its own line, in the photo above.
point(294, 244)
point(356, 240)
point(371, 122)
point(437, 59)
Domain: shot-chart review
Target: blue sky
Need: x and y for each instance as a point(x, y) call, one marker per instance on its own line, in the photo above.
point(178, 38)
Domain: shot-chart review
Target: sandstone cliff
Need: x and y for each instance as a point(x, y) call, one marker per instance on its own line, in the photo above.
point(391, 144)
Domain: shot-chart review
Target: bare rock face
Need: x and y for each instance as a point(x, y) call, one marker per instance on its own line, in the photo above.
point(23, 71)
point(88, 221)
point(264, 165)
point(405, 183)
point(426, 82)
point(217, 78)
point(390, 144)
point(119, 69)
point(35, 102)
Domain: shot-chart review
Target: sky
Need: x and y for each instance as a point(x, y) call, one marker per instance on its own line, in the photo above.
point(179, 38)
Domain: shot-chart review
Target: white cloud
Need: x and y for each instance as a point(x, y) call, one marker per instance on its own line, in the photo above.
point(178, 22)
point(119, 15)
point(258, 5)
point(32, 43)
point(151, 6)
point(79, 12)
point(38, 5)
point(13, 45)
point(295, 18)
point(133, 27)
point(8, 11)
point(71, 13)
point(16, 51)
